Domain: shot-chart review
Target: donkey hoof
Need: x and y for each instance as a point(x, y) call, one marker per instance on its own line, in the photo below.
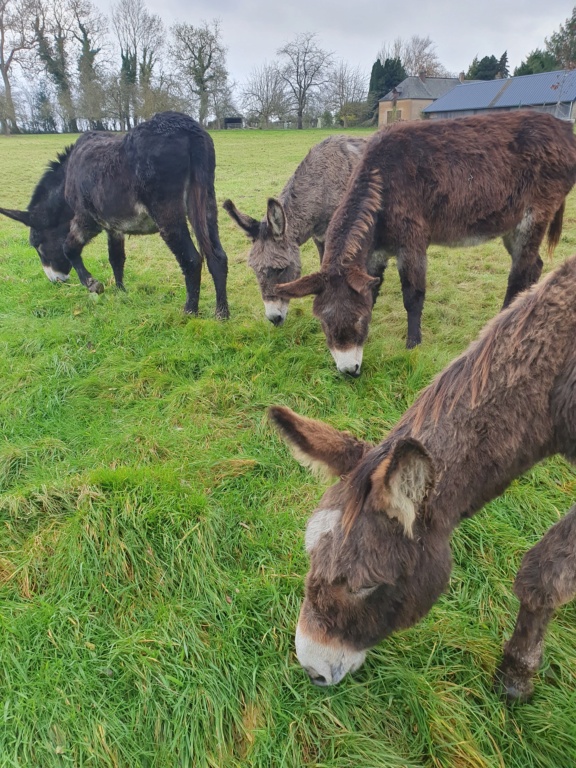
point(94, 286)
point(222, 313)
point(513, 688)
point(411, 343)
point(190, 311)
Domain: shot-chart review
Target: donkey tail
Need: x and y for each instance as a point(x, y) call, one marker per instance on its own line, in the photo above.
point(201, 198)
point(196, 207)
point(555, 229)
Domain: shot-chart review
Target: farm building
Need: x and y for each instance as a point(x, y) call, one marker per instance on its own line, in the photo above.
point(553, 92)
point(407, 100)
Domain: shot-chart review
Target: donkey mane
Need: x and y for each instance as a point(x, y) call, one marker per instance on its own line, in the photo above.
point(467, 377)
point(355, 217)
point(51, 178)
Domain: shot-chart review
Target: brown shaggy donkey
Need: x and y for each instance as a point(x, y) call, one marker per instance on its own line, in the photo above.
point(303, 211)
point(448, 182)
point(379, 541)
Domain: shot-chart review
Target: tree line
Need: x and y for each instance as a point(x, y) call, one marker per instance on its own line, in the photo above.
point(66, 66)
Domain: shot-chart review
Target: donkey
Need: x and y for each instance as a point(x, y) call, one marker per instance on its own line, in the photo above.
point(144, 182)
point(379, 541)
point(450, 182)
point(303, 211)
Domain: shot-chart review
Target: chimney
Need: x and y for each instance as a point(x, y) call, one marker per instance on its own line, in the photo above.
point(422, 75)
point(461, 77)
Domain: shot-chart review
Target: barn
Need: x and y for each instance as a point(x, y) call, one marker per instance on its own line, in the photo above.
point(553, 92)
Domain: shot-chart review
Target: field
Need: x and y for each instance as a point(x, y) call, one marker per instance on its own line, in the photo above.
point(151, 537)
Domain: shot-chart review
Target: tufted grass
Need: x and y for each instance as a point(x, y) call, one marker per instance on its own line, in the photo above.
point(151, 522)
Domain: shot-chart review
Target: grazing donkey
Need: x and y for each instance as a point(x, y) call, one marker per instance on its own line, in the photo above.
point(303, 211)
point(379, 541)
point(146, 181)
point(450, 182)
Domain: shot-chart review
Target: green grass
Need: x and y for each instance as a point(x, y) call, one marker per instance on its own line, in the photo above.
point(151, 522)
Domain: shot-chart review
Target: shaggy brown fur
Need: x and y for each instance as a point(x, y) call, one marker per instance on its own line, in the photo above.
point(448, 182)
point(508, 402)
point(302, 211)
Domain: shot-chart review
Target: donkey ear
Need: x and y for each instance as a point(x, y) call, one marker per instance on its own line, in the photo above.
point(276, 218)
point(402, 481)
point(22, 216)
point(304, 286)
point(316, 445)
point(360, 281)
point(247, 223)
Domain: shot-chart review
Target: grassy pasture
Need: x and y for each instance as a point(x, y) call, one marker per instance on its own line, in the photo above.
point(151, 537)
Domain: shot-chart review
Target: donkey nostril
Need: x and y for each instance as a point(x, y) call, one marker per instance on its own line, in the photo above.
point(277, 319)
point(318, 679)
point(355, 372)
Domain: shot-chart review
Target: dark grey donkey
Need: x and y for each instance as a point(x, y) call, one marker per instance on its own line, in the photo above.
point(147, 181)
point(302, 211)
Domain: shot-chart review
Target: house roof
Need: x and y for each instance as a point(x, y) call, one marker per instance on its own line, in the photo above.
point(526, 90)
point(416, 87)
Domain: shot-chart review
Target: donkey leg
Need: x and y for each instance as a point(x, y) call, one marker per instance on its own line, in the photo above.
point(546, 580)
point(377, 266)
point(217, 262)
point(210, 245)
point(171, 223)
point(412, 269)
point(320, 244)
point(523, 245)
point(77, 238)
point(117, 257)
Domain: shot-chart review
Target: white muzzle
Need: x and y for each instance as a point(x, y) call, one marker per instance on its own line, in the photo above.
point(348, 360)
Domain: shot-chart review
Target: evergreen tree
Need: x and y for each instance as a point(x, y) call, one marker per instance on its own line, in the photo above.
point(52, 42)
point(91, 90)
point(488, 68)
point(537, 61)
point(384, 78)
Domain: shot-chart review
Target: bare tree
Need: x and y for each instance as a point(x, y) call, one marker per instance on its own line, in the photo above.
point(221, 98)
point(562, 44)
point(305, 69)
point(141, 38)
point(16, 37)
point(201, 61)
point(418, 54)
point(347, 88)
point(264, 95)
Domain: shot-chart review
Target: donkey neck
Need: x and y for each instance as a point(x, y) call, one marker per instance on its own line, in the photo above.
point(299, 214)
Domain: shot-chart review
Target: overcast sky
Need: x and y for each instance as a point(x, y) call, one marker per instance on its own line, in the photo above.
point(355, 30)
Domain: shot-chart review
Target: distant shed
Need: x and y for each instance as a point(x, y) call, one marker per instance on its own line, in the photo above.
point(233, 122)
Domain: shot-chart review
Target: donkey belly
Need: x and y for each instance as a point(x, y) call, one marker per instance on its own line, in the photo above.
point(136, 221)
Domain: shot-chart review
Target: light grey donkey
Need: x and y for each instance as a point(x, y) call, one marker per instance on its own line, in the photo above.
point(302, 211)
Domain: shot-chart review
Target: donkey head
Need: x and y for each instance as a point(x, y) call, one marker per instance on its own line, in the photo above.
point(48, 217)
point(274, 257)
point(377, 563)
point(343, 304)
